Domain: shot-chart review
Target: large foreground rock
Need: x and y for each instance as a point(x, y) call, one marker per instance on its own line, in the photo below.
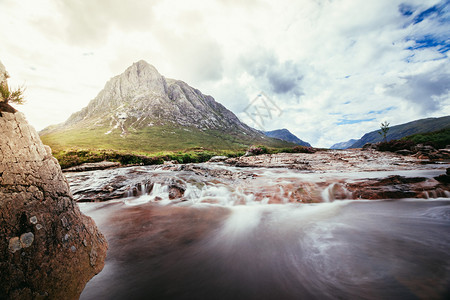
point(48, 249)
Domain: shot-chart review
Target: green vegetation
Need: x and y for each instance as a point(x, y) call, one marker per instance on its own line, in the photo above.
point(74, 157)
point(156, 144)
point(399, 131)
point(384, 130)
point(152, 139)
point(261, 149)
point(15, 96)
point(395, 145)
point(438, 139)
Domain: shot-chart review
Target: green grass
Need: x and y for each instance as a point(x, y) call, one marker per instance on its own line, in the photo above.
point(70, 158)
point(438, 139)
point(153, 139)
point(74, 157)
point(153, 145)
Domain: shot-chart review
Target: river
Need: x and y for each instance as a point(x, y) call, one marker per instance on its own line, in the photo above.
point(227, 242)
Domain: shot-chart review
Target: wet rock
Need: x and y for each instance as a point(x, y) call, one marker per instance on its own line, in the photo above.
point(93, 166)
point(397, 187)
point(175, 192)
point(35, 262)
point(404, 152)
point(218, 158)
point(444, 178)
point(328, 161)
point(14, 244)
point(424, 148)
point(26, 239)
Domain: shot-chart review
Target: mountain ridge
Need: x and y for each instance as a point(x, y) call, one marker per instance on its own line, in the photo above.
point(344, 145)
point(141, 104)
point(405, 129)
point(285, 135)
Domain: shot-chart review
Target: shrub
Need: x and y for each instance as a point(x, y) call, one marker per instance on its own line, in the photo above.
point(395, 145)
point(257, 150)
point(8, 95)
point(438, 139)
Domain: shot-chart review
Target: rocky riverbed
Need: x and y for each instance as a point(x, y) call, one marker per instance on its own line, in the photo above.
point(278, 178)
point(285, 226)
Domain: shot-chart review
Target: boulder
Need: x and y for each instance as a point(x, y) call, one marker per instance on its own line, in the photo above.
point(48, 248)
point(218, 158)
point(403, 152)
point(93, 166)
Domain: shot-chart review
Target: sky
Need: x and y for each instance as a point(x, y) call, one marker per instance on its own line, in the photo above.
point(331, 70)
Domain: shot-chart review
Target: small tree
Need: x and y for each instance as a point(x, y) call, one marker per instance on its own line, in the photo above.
point(8, 95)
point(384, 130)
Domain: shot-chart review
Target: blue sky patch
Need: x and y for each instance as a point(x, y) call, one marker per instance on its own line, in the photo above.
point(437, 9)
point(346, 122)
point(429, 41)
point(378, 112)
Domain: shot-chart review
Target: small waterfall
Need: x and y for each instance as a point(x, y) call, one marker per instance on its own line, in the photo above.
point(138, 190)
point(336, 191)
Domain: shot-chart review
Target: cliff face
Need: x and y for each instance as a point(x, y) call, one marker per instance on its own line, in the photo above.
point(48, 248)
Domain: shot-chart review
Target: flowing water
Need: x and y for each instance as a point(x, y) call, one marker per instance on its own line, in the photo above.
point(226, 242)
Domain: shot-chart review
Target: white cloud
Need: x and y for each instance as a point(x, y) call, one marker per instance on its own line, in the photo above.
point(324, 62)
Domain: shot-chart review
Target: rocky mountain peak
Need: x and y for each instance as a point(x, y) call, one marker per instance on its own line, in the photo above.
point(142, 97)
point(142, 75)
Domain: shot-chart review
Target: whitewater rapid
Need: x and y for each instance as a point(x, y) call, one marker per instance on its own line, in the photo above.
point(224, 240)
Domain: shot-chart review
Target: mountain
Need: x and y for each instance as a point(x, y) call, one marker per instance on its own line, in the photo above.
point(141, 110)
point(286, 135)
point(400, 131)
point(344, 145)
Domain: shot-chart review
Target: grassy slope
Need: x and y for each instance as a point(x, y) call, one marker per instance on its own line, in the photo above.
point(403, 130)
point(438, 139)
point(152, 139)
point(152, 145)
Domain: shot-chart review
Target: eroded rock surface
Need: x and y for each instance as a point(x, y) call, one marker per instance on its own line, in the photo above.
point(48, 249)
point(329, 161)
point(324, 176)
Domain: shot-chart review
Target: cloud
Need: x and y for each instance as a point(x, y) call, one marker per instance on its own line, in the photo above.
point(278, 77)
point(424, 90)
point(346, 122)
point(434, 11)
point(353, 63)
point(90, 22)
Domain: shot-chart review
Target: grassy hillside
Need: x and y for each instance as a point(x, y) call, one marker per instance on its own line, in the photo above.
point(153, 139)
point(151, 145)
point(438, 139)
point(407, 129)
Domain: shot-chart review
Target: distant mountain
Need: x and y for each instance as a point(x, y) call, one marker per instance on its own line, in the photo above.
point(286, 135)
point(344, 145)
point(400, 131)
point(140, 110)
